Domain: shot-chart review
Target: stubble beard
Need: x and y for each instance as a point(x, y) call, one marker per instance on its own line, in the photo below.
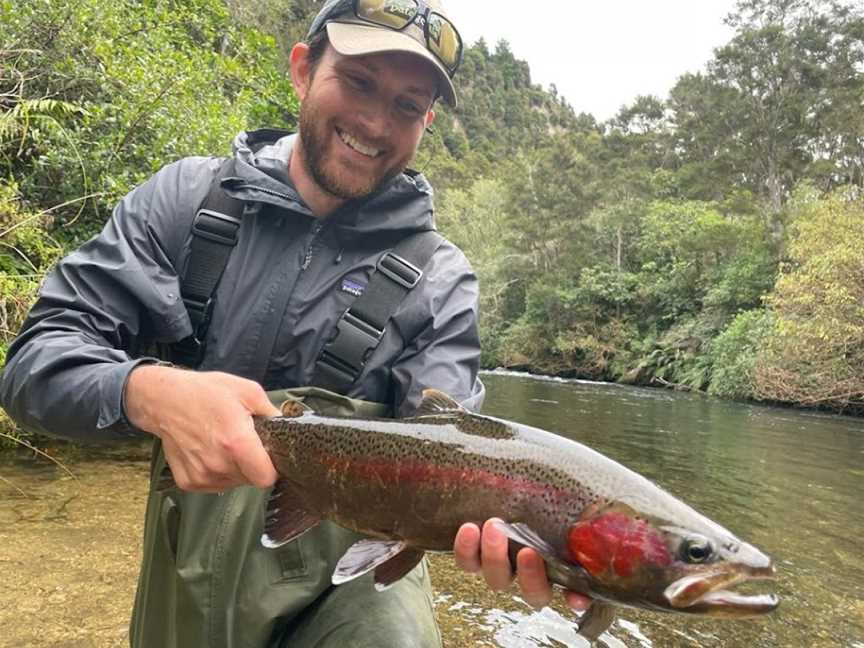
point(313, 137)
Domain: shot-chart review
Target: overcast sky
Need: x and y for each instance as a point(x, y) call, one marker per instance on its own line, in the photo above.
point(600, 54)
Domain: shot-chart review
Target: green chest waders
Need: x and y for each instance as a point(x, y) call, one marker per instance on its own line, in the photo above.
point(207, 581)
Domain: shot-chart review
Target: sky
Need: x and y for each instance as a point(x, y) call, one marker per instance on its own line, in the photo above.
point(600, 54)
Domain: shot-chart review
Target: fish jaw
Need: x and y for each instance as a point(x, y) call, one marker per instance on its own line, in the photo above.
point(707, 593)
point(636, 560)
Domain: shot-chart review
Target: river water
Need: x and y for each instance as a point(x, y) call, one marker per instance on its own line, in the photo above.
point(790, 482)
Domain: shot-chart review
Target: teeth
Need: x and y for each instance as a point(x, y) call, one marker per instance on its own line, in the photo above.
point(355, 144)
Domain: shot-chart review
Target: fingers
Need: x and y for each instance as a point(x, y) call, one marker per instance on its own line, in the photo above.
point(486, 552)
point(257, 402)
point(496, 563)
point(466, 548)
point(577, 602)
point(192, 472)
point(252, 460)
point(531, 576)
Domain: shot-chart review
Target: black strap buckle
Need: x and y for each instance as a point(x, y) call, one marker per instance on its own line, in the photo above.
point(199, 313)
point(213, 226)
point(349, 349)
point(403, 272)
point(188, 352)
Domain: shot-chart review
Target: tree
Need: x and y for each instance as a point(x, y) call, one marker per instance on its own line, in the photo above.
point(777, 102)
point(815, 352)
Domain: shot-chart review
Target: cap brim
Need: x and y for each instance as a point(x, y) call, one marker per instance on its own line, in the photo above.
point(352, 39)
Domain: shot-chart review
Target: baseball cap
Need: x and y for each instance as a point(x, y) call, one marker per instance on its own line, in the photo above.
point(354, 36)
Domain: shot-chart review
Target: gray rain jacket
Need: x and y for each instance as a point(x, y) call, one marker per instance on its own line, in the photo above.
point(120, 292)
point(205, 578)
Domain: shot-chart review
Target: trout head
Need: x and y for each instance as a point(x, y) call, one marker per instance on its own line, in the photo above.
point(636, 560)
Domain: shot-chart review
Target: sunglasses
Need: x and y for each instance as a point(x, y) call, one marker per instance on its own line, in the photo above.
point(442, 38)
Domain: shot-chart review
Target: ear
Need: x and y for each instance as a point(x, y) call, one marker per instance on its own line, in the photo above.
point(301, 73)
point(430, 117)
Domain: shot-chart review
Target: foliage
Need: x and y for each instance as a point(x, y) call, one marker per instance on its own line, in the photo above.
point(103, 94)
point(473, 219)
point(642, 249)
point(25, 255)
point(733, 355)
point(815, 354)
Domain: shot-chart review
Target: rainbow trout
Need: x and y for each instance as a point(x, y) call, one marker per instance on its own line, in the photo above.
point(409, 485)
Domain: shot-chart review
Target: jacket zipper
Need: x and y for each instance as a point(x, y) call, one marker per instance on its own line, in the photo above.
point(317, 226)
point(265, 190)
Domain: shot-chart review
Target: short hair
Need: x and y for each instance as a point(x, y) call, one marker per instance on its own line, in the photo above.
point(317, 46)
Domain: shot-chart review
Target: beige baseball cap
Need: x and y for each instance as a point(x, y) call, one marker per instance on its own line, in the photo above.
point(352, 36)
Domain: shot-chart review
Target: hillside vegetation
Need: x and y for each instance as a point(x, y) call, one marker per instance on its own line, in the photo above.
point(706, 240)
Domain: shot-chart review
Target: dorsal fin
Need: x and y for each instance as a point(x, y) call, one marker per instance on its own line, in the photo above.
point(293, 408)
point(437, 402)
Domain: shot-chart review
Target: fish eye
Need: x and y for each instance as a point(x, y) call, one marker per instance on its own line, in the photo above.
point(696, 549)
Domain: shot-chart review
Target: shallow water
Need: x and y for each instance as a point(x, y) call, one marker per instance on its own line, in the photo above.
point(789, 482)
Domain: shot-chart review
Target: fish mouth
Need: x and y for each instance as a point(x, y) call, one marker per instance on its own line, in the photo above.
point(708, 594)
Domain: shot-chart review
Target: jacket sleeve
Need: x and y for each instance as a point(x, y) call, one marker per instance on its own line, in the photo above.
point(66, 370)
point(445, 355)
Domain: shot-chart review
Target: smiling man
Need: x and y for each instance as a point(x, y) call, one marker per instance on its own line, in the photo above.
point(284, 295)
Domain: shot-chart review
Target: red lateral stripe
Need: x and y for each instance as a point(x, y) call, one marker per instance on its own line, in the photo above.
point(437, 476)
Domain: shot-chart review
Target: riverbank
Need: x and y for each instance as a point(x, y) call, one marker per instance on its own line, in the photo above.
point(70, 550)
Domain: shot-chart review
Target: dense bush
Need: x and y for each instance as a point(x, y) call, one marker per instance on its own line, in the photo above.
point(642, 249)
point(815, 352)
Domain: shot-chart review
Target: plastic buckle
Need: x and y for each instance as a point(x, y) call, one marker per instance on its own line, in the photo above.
point(199, 313)
point(222, 229)
point(188, 352)
point(403, 272)
point(350, 347)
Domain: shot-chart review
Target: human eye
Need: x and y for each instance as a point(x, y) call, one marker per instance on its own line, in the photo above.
point(358, 82)
point(410, 108)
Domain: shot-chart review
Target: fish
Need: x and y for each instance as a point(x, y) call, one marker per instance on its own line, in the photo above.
point(407, 485)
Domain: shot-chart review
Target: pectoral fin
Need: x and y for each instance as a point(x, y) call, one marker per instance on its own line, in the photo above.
point(596, 620)
point(525, 535)
point(398, 566)
point(286, 519)
point(364, 556)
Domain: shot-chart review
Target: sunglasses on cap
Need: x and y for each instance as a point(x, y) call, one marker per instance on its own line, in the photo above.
point(442, 38)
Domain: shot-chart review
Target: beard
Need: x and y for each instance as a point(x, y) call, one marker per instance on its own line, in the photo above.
point(324, 166)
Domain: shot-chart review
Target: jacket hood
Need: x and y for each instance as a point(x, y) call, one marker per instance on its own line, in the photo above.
point(404, 204)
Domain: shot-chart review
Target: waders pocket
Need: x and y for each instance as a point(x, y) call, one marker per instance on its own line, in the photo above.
point(291, 563)
point(170, 514)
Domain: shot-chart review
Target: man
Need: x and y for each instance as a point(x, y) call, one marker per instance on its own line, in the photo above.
point(322, 208)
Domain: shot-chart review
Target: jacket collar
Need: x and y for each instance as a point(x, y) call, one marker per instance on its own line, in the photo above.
point(404, 204)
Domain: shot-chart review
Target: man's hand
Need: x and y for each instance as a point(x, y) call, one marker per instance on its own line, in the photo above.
point(205, 423)
point(486, 552)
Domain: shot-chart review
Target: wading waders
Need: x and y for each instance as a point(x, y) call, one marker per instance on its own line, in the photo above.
point(206, 580)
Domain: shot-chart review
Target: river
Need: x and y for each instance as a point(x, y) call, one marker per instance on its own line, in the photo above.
point(790, 482)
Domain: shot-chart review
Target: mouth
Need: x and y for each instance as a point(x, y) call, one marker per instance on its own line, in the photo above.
point(354, 143)
point(707, 594)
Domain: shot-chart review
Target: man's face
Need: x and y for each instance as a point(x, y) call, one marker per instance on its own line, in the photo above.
point(362, 118)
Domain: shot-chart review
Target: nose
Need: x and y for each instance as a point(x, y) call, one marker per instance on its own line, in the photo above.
point(374, 118)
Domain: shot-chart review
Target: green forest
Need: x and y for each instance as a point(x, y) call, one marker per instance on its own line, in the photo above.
point(708, 240)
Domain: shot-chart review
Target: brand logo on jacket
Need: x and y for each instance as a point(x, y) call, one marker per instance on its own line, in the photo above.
point(352, 287)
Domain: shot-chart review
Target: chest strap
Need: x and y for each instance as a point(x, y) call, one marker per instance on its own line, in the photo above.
point(214, 235)
point(360, 329)
point(357, 333)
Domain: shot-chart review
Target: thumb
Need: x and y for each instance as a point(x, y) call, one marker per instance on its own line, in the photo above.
point(259, 403)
